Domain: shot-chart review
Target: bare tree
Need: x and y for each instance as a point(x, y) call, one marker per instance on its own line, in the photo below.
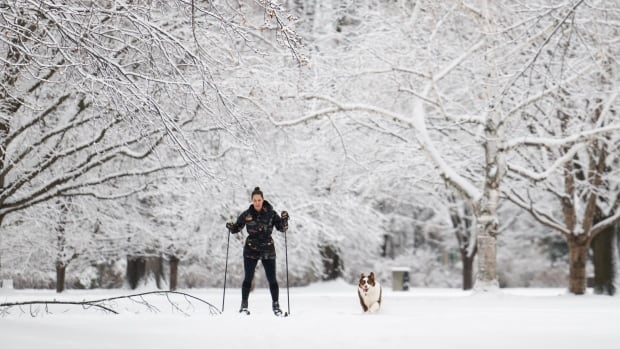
point(462, 217)
point(478, 66)
point(578, 172)
point(101, 98)
point(586, 195)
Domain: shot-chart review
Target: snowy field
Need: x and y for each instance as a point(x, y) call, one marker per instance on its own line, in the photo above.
point(325, 315)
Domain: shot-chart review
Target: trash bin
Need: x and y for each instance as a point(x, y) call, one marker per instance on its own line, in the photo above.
point(7, 284)
point(400, 279)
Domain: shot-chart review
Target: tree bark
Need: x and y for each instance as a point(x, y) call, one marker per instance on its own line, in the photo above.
point(174, 272)
point(604, 267)
point(495, 167)
point(487, 269)
point(578, 256)
point(468, 270)
point(140, 269)
point(387, 250)
point(332, 264)
point(462, 221)
point(60, 277)
point(486, 211)
point(2, 274)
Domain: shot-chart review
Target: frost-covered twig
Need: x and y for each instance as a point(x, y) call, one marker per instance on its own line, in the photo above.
point(4, 307)
point(103, 304)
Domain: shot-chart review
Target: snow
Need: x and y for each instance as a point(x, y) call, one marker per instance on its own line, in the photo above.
point(324, 315)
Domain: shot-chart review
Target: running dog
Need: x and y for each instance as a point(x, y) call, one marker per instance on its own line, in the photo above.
point(369, 292)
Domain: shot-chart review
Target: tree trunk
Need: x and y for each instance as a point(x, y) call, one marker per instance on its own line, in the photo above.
point(2, 274)
point(578, 256)
point(487, 268)
point(462, 221)
point(387, 250)
point(332, 264)
point(486, 212)
point(174, 269)
point(468, 270)
point(604, 267)
point(142, 269)
point(60, 277)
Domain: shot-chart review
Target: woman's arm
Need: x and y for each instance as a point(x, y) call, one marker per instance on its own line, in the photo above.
point(236, 227)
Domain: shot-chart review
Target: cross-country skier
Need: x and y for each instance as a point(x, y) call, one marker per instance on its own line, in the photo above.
point(259, 220)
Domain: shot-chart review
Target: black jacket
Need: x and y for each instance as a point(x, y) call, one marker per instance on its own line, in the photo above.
point(259, 225)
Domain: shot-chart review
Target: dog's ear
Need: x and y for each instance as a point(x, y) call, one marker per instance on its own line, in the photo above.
point(361, 275)
point(372, 275)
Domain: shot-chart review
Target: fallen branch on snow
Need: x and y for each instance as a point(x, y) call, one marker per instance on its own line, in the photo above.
point(103, 304)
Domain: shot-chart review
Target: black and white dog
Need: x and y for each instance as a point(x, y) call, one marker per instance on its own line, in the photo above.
point(369, 292)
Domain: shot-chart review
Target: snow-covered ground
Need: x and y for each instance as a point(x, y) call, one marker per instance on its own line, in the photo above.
point(325, 315)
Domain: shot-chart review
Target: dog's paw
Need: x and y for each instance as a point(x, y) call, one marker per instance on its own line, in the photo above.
point(374, 308)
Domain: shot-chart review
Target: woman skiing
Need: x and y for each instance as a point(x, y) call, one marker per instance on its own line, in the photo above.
point(259, 220)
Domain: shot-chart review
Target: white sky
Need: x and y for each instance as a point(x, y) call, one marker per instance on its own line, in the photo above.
point(325, 315)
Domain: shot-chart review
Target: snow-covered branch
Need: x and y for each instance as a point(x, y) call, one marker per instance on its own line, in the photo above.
point(555, 87)
point(65, 184)
point(582, 136)
point(341, 107)
point(446, 171)
point(539, 176)
point(558, 24)
point(109, 304)
point(458, 60)
point(605, 223)
point(543, 218)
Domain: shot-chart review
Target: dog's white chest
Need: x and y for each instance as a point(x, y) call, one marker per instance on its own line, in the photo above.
point(371, 297)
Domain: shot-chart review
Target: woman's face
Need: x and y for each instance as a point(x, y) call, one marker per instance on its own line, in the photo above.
point(257, 202)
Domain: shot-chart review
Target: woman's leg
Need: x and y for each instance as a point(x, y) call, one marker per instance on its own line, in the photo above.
point(270, 272)
point(249, 266)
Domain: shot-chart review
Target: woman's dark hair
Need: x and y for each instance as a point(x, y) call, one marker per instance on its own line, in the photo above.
point(257, 192)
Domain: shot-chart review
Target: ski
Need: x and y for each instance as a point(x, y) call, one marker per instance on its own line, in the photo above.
point(276, 313)
point(279, 313)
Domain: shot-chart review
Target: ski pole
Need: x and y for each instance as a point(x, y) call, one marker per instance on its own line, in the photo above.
point(288, 298)
point(225, 270)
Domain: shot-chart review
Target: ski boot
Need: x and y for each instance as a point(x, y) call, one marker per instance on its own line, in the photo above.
point(244, 307)
point(276, 308)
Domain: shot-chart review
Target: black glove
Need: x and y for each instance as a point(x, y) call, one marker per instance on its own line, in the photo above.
point(230, 225)
point(284, 216)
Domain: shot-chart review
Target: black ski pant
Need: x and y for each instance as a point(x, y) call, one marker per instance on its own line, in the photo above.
point(249, 266)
